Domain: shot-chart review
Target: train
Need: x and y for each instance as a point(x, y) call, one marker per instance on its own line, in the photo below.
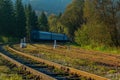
point(48, 36)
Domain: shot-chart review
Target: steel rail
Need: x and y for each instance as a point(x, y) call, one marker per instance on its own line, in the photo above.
point(31, 70)
point(69, 69)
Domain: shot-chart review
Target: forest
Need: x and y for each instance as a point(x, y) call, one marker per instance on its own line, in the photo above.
point(85, 22)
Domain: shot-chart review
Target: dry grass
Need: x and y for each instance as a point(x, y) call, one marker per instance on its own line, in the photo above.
point(77, 53)
point(4, 69)
point(96, 62)
point(6, 73)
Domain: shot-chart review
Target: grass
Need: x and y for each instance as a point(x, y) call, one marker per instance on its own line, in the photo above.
point(104, 49)
point(6, 73)
point(5, 39)
point(74, 57)
point(101, 48)
point(10, 77)
point(4, 69)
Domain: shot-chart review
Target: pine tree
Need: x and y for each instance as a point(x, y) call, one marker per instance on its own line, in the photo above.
point(34, 21)
point(28, 11)
point(31, 20)
point(6, 18)
point(20, 19)
point(43, 22)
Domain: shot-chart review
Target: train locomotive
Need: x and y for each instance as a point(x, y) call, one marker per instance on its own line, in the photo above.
point(47, 36)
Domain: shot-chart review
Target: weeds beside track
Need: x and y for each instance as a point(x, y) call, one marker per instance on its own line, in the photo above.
point(72, 71)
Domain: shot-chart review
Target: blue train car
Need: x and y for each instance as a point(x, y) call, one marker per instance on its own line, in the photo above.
point(44, 35)
point(47, 36)
point(34, 36)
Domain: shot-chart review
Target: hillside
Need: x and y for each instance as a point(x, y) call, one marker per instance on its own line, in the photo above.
point(49, 6)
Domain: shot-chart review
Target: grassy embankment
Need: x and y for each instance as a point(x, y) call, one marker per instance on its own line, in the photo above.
point(101, 48)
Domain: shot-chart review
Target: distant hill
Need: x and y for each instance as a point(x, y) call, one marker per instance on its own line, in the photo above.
point(49, 6)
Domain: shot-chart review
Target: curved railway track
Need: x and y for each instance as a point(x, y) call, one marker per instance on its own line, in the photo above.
point(110, 60)
point(46, 70)
point(26, 64)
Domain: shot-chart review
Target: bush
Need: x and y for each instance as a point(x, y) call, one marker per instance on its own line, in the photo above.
point(94, 34)
point(5, 39)
point(81, 36)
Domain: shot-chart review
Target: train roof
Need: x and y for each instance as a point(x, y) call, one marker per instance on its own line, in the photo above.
point(44, 32)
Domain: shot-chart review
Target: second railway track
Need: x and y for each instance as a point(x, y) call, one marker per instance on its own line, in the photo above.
point(50, 72)
point(54, 73)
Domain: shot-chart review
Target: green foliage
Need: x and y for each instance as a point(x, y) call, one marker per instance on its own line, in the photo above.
point(101, 23)
point(111, 71)
point(6, 39)
point(43, 22)
point(102, 48)
point(31, 20)
point(20, 30)
point(6, 18)
point(81, 36)
point(94, 32)
point(28, 11)
point(72, 18)
point(3, 39)
point(54, 23)
point(13, 20)
point(110, 15)
point(34, 20)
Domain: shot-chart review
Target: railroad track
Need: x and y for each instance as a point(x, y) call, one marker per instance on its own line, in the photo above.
point(26, 64)
point(53, 73)
point(113, 61)
point(46, 70)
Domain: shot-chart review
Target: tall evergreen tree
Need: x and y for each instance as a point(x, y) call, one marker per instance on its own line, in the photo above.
point(43, 22)
point(31, 20)
point(6, 18)
point(34, 21)
point(28, 11)
point(20, 19)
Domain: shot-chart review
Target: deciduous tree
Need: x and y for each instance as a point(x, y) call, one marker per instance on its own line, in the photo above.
point(72, 19)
